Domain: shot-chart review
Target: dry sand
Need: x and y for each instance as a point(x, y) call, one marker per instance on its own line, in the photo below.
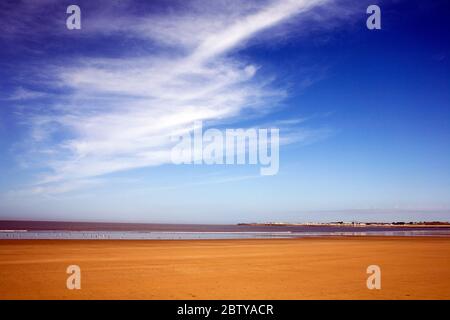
point(319, 268)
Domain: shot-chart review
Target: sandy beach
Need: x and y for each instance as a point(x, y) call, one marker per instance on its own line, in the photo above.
point(317, 268)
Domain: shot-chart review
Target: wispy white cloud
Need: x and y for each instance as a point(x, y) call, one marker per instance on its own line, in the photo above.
point(25, 94)
point(120, 113)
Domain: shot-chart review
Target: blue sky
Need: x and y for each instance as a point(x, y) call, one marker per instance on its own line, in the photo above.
point(86, 115)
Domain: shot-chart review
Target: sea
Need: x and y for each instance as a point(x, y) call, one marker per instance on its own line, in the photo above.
point(45, 230)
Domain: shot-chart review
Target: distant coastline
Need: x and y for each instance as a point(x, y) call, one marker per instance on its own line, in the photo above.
point(420, 224)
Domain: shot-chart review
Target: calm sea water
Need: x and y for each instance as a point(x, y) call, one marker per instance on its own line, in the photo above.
point(188, 235)
point(139, 231)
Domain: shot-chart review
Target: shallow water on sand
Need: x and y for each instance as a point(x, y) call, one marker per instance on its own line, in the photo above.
point(183, 235)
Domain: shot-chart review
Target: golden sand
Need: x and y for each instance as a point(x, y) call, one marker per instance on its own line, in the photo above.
point(318, 268)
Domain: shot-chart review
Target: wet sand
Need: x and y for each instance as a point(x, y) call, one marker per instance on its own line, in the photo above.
point(317, 268)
